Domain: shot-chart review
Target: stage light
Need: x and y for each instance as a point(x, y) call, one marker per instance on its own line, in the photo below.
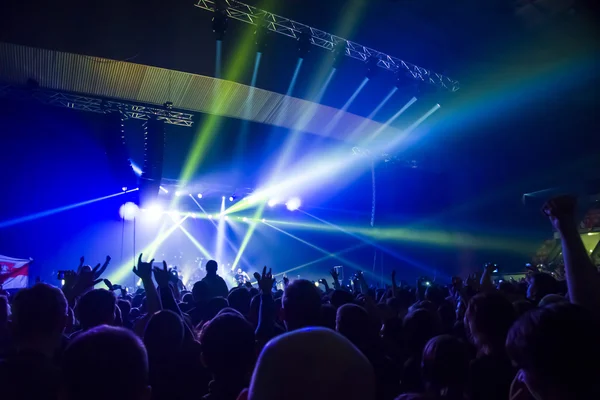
point(129, 211)
point(226, 218)
point(124, 188)
point(316, 284)
point(264, 220)
point(154, 212)
point(210, 216)
point(137, 170)
point(178, 193)
point(245, 219)
point(273, 202)
point(163, 189)
point(231, 198)
point(199, 195)
point(293, 204)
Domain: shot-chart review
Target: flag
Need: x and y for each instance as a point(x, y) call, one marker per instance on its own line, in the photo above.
point(14, 273)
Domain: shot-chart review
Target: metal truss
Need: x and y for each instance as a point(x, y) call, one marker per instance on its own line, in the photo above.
point(98, 105)
point(252, 15)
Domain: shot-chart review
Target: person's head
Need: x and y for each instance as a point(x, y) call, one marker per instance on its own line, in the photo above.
point(211, 267)
point(228, 347)
point(254, 309)
point(488, 318)
point(326, 364)
point(105, 362)
point(125, 307)
point(353, 322)
point(239, 271)
point(301, 304)
point(341, 297)
point(435, 294)
point(552, 299)
point(445, 365)
point(96, 307)
point(540, 285)
point(164, 334)
point(328, 316)
point(39, 314)
point(522, 306)
point(557, 349)
point(239, 299)
point(419, 326)
point(214, 306)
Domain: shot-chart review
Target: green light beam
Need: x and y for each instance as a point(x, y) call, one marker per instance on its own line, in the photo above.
point(248, 236)
point(199, 246)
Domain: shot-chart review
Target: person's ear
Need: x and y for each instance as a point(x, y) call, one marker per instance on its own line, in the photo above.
point(243, 395)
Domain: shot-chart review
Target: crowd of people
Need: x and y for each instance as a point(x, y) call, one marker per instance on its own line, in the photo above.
point(468, 339)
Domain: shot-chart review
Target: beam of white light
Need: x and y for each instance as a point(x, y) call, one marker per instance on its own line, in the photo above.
point(317, 248)
point(137, 170)
point(220, 233)
point(326, 257)
point(360, 127)
point(46, 213)
point(390, 120)
point(232, 246)
point(399, 143)
point(340, 113)
point(125, 268)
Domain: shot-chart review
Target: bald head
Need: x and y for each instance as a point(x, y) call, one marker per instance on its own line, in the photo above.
point(326, 363)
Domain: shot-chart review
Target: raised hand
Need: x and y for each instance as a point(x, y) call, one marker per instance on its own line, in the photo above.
point(334, 274)
point(163, 275)
point(286, 281)
point(143, 269)
point(560, 210)
point(108, 284)
point(265, 281)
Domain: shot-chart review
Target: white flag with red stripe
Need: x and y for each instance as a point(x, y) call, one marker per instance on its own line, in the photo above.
point(14, 272)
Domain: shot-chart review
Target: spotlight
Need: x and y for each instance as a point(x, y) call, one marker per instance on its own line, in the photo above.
point(371, 67)
point(163, 189)
point(245, 219)
point(128, 211)
point(226, 218)
point(124, 188)
point(223, 198)
point(209, 216)
point(178, 193)
point(304, 42)
point(231, 198)
point(316, 284)
point(272, 202)
point(154, 212)
point(199, 195)
point(293, 204)
point(264, 220)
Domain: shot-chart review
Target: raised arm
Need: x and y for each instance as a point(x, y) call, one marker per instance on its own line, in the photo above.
point(582, 277)
point(144, 271)
point(486, 284)
point(336, 281)
point(163, 276)
point(266, 312)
